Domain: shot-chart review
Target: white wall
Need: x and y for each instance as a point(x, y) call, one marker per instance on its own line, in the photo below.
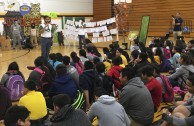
point(61, 6)
point(67, 6)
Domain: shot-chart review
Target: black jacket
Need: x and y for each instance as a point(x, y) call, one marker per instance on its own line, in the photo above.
point(5, 101)
point(88, 80)
point(138, 67)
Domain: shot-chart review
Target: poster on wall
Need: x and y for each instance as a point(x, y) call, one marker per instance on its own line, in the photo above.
point(144, 29)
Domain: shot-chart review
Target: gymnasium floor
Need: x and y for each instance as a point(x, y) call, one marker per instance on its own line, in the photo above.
point(26, 57)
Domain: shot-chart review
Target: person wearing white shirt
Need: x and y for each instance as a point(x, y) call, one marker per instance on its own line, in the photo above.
point(81, 35)
point(46, 31)
point(33, 35)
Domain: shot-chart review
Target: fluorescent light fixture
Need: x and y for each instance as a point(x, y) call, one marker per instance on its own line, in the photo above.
point(122, 1)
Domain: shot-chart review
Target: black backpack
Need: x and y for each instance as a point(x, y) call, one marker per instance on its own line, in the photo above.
point(107, 83)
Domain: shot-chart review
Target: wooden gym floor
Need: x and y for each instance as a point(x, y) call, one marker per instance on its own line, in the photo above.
point(26, 57)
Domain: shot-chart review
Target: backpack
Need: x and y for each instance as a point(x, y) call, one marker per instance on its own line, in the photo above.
point(182, 85)
point(79, 67)
point(168, 96)
point(107, 83)
point(167, 53)
point(43, 86)
point(15, 85)
point(165, 66)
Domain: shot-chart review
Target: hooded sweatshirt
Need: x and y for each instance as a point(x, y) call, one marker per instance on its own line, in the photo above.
point(137, 101)
point(182, 71)
point(109, 112)
point(63, 84)
point(68, 116)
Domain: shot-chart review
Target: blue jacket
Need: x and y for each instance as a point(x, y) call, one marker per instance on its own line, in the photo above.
point(55, 63)
point(63, 84)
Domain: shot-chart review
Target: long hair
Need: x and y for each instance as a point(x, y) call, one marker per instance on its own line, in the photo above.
point(160, 54)
point(13, 66)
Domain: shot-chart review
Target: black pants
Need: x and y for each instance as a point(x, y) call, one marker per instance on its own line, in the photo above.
point(82, 39)
point(61, 42)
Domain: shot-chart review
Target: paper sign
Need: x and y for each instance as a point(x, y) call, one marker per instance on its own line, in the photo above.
point(96, 35)
point(113, 31)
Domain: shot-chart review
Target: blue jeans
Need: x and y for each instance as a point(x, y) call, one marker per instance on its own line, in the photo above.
point(45, 47)
point(82, 39)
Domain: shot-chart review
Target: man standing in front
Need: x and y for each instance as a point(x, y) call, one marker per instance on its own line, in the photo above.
point(177, 23)
point(46, 31)
point(81, 35)
point(16, 30)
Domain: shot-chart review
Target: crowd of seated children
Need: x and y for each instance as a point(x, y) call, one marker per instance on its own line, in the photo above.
point(140, 94)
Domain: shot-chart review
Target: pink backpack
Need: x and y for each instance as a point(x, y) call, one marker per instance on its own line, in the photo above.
point(168, 96)
point(167, 53)
point(80, 68)
point(41, 82)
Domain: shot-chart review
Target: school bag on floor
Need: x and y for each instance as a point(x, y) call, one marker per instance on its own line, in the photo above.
point(168, 96)
point(15, 85)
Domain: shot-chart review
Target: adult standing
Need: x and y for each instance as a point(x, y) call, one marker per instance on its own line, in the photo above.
point(16, 36)
point(46, 31)
point(81, 35)
point(33, 35)
point(177, 22)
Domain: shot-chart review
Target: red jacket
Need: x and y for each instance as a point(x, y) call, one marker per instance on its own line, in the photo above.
point(114, 72)
point(155, 89)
